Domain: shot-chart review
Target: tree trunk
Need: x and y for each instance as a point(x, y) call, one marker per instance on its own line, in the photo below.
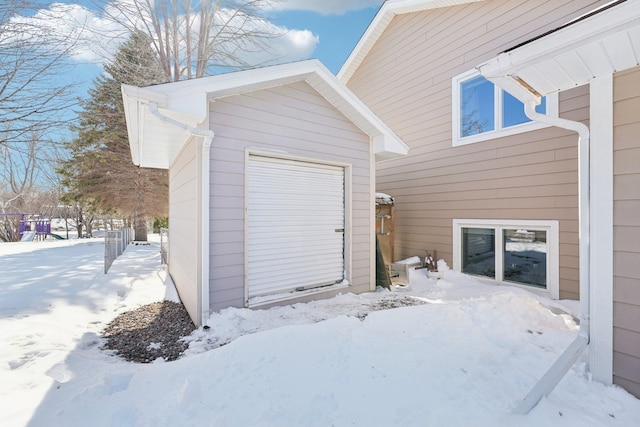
point(140, 227)
point(89, 228)
point(140, 219)
point(79, 223)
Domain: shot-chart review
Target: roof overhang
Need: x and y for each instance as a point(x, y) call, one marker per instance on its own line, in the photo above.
point(604, 42)
point(154, 142)
point(380, 22)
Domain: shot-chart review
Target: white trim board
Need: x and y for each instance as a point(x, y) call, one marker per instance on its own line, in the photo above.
point(601, 232)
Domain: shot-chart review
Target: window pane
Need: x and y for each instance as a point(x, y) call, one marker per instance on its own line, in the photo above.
point(476, 106)
point(525, 257)
point(478, 251)
point(513, 110)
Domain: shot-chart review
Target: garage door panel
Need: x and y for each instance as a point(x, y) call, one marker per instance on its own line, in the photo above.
point(293, 211)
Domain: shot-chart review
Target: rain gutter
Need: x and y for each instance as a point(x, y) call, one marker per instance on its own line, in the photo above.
point(203, 160)
point(561, 366)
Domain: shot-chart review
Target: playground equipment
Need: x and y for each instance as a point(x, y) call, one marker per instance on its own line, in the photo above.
point(28, 236)
point(32, 226)
point(33, 222)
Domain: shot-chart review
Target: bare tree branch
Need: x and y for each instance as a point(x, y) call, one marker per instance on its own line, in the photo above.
point(194, 38)
point(31, 59)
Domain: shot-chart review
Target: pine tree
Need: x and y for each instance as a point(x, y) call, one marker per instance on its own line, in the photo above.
point(100, 171)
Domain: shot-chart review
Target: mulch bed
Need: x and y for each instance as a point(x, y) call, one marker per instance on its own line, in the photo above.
point(150, 332)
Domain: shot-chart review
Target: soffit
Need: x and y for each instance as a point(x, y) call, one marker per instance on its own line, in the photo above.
point(602, 44)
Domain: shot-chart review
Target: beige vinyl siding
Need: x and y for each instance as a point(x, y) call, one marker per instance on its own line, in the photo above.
point(182, 227)
point(295, 120)
point(626, 230)
point(406, 80)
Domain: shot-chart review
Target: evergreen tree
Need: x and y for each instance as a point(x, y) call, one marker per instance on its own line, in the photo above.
point(100, 171)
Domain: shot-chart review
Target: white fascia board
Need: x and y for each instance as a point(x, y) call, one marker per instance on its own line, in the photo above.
point(516, 88)
point(133, 99)
point(187, 101)
point(149, 136)
point(238, 82)
point(133, 124)
point(261, 78)
point(322, 80)
point(189, 106)
point(380, 23)
point(580, 34)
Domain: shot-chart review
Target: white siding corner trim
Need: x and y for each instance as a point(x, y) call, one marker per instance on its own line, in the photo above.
point(553, 252)
point(601, 234)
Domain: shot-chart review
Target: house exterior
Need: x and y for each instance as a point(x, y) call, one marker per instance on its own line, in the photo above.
point(271, 183)
point(499, 195)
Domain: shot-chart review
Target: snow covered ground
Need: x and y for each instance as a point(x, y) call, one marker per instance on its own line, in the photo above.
point(465, 356)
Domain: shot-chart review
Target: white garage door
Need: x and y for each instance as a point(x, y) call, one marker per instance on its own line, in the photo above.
point(295, 213)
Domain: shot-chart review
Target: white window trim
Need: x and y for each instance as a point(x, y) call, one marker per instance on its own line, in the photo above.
point(553, 251)
point(499, 132)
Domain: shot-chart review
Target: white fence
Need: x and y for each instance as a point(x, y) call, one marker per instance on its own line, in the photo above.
point(115, 242)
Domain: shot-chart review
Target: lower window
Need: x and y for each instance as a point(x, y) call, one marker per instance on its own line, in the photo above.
point(515, 252)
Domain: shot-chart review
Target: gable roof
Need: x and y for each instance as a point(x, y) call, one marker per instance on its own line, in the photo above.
point(380, 22)
point(155, 142)
point(602, 42)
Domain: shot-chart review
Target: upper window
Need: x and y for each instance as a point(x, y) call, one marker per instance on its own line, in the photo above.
point(483, 111)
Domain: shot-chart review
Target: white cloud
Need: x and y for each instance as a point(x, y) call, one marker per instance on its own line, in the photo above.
point(96, 37)
point(279, 45)
point(89, 37)
point(292, 45)
point(326, 7)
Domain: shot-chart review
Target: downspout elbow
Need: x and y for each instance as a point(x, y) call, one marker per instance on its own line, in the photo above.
point(580, 128)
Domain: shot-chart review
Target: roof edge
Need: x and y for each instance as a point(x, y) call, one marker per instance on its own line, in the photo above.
point(380, 22)
point(187, 99)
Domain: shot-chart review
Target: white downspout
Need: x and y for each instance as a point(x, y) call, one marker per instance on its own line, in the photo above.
point(203, 228)
point(552, 377)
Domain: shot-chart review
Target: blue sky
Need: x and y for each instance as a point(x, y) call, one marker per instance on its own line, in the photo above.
point(338, 34)
point(324, 29)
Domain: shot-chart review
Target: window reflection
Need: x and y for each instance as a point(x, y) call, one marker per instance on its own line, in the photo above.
point(477, 106)
point(478, 251)
point(525, 257)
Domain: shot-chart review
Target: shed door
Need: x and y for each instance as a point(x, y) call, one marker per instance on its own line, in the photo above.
point(295, 232)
